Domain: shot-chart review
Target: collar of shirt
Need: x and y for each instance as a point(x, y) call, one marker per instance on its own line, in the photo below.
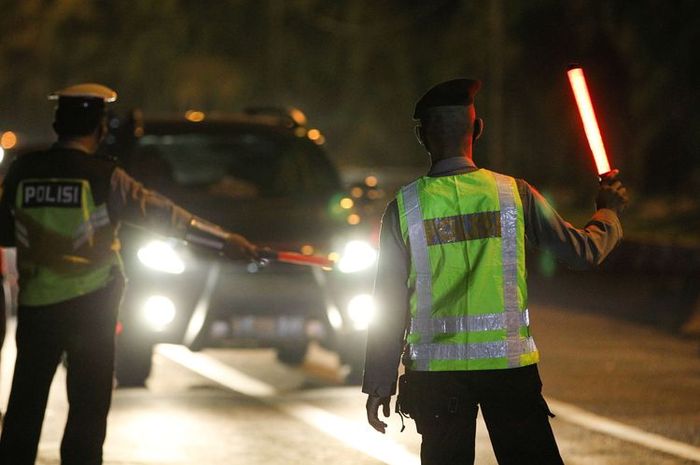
point(71, 145)
point(451, 166)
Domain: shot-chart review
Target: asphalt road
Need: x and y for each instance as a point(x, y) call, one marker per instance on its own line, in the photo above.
point(623, 394)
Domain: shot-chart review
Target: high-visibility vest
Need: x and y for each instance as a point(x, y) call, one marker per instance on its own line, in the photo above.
point(467, 282)
point(66, 244)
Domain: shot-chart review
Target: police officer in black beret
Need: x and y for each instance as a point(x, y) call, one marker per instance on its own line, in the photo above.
point(452, 294)
point(61, 208)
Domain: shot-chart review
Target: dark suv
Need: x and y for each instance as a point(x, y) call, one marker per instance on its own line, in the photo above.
point(265, 175)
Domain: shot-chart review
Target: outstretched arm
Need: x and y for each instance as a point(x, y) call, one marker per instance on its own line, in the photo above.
point(131, 202)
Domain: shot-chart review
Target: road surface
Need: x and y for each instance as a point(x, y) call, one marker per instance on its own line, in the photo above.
point(623, 393)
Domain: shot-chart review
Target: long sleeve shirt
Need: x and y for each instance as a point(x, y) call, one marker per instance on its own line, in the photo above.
point(544, 229)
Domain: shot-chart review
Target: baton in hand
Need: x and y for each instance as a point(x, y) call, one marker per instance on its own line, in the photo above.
point(590, 122)
point(295, 258)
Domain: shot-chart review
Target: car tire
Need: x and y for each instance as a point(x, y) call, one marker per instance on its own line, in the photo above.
point(354, 362)
point(355, 372)
point(292, 354)
point(133, 363)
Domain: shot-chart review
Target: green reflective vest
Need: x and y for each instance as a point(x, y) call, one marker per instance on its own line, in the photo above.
point(468, 290)
point(66, 244)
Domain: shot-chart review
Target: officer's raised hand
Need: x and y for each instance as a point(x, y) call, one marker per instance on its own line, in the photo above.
point(612, 193)
point(373, 403)
point(238, 247)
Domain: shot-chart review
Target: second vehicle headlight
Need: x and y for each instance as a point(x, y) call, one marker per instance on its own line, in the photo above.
point(357, 256)
point(361, 310)
point(159, 311)
point(161, 256)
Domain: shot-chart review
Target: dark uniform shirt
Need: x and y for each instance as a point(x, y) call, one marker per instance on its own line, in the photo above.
point(544, 229)
point(127, 200)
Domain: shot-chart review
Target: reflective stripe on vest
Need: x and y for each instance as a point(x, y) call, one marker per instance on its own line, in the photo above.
point(86, 231)
point(66, 244)
point(499, 339)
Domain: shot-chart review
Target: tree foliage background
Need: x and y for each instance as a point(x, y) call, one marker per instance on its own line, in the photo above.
point(357, 66)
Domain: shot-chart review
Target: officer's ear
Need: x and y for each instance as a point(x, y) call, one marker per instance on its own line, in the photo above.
point(419, 134)
point(102, 129)
point(478, 129)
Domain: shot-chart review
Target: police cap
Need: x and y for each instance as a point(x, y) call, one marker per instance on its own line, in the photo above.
point(80, 107)
point(455, 92)
point(88, 91)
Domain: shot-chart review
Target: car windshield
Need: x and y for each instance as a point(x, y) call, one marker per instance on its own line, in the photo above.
point(239, 165)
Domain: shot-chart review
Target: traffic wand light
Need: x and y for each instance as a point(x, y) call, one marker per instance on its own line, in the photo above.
point(295, 258)
point(590, 123)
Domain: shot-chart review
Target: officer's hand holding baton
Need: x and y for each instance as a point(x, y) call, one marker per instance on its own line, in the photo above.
point(373, 403)
point(612, 193)
point(237, 247)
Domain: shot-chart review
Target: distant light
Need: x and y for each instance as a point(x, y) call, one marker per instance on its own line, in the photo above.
point(371, 181)
point(298, 116)
point(313, 134)
point(375, 194)
point(8, 140)
point(321, 140)
point(307, 249)
point(346, 203)
point(138, 132)
point(2, 154)
point(354, 219)
point(357, 192)
point(194, 116)
point(334, 256)
point(300, 132)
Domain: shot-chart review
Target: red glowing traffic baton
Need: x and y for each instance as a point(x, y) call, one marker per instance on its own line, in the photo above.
point(295, 258)
point(590, 123)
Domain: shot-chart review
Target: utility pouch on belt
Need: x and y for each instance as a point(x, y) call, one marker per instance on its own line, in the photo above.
point(407, 399)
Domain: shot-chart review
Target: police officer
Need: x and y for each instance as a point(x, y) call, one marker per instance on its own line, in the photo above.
point(61, 208)
point(451, 286)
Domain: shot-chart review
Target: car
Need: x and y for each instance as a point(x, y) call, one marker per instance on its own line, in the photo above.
point(264, 174)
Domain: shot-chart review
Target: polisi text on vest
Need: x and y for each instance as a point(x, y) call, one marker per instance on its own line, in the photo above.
point(51, 194)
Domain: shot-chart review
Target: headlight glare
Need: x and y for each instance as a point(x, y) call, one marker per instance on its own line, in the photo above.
point(159, 311)
point(361, 310)
point(357, 256)
point(161, 256)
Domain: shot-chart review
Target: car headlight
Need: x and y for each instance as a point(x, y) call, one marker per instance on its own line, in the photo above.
point(159, 311)
point(161, 256)
point(361, 310)
point(357, 256)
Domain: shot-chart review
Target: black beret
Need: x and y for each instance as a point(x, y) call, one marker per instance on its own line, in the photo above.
point(456, 92)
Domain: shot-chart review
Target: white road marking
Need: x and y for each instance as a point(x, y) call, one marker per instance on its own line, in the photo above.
point(360, 437)
point(366, 440)
point(216, 371)
point(575, 415)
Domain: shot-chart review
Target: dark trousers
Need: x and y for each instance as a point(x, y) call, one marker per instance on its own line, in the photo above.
point(516, 415)
point(83, 329)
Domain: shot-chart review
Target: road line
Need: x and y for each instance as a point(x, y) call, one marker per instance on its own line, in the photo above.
point(216, 371)
point(359, 437)
point(575, 415)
